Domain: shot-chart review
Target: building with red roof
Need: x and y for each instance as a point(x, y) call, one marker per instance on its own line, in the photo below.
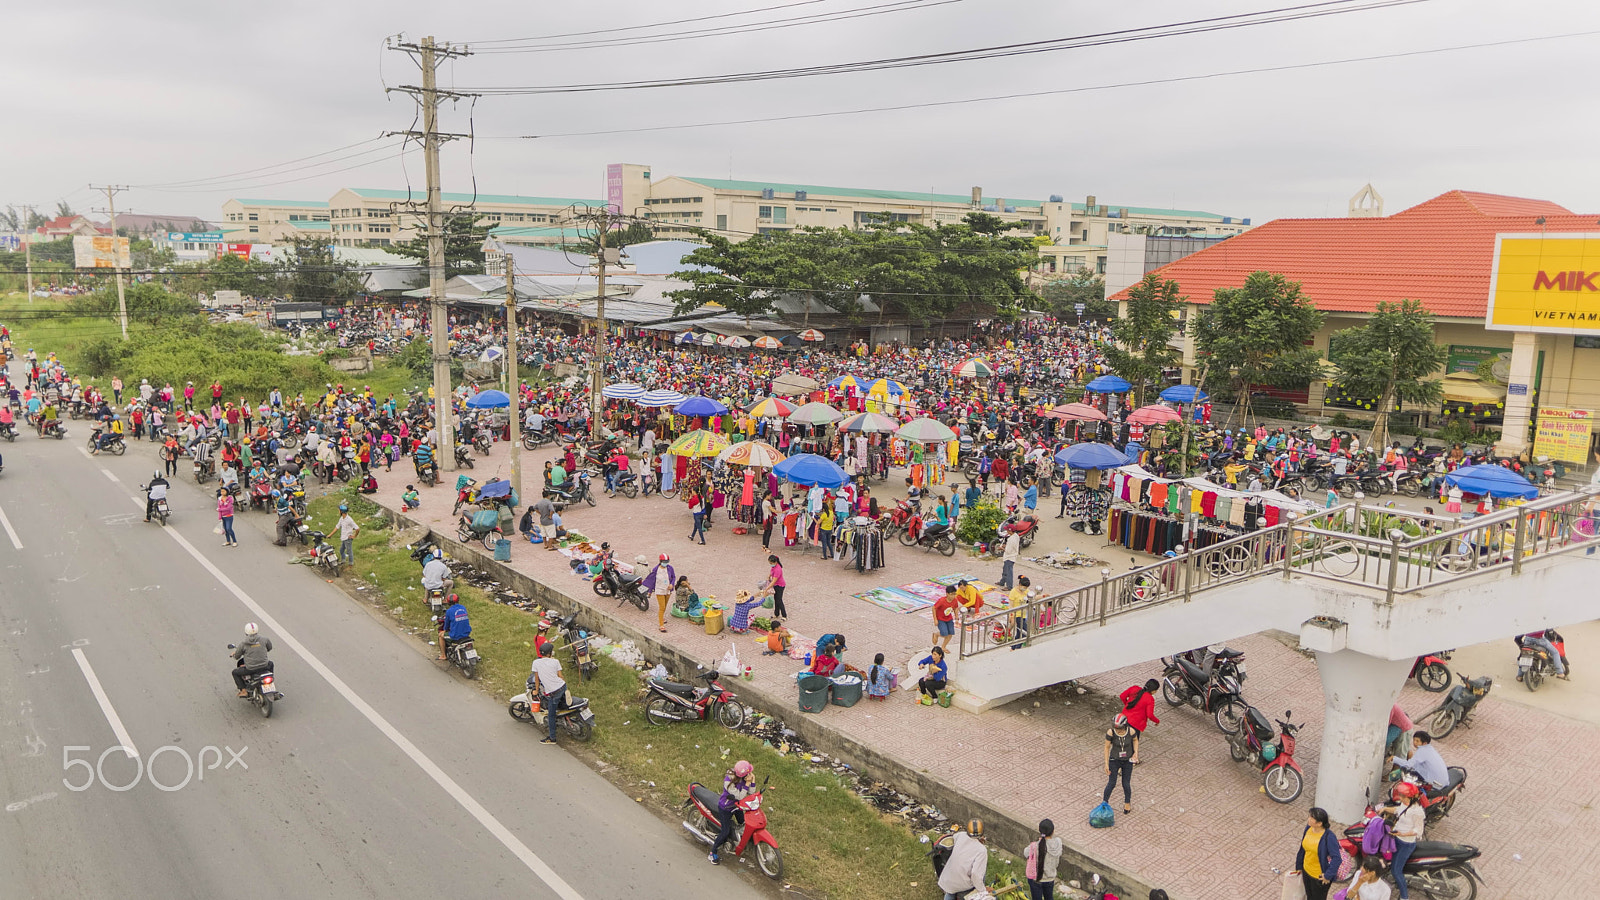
point(1446, 253)
point(71, 226)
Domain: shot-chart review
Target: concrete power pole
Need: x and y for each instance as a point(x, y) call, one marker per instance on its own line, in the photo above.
point(27, 251)
point(597, 381)
point(511, 375)
point(111, 190)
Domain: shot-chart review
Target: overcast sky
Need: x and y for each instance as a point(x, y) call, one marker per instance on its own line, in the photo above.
point(165, 92)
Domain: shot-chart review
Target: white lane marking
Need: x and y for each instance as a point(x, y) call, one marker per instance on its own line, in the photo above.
point(107, 473)
point(105, 703)
point(10, 532)
point(85, 451)
point(485, 818)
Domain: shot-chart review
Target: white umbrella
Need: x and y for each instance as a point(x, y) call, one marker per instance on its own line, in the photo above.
point(734, 341)
point(623, 391)
point(660, 398)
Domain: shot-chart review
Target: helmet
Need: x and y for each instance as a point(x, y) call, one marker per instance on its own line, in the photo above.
point(742, 769)
point(344, 507)
point(276, 492)
point(975, 827)
point(666, 558)
point(1120, 721)
point(452, 600)
point(251, 628)
point(605, 545)
point(1406, 789)
point(438, 553)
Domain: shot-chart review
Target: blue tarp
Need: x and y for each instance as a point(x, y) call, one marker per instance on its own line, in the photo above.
point(1495, 481)
point(1184, 393)
point(1108, 384)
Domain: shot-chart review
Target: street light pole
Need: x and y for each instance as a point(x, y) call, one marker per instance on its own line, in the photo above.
point(511, 372)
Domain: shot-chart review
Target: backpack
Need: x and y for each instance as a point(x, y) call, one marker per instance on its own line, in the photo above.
point(1102, 816)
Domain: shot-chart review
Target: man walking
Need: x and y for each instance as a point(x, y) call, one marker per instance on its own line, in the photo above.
point(348, 529)
point(1009, 557)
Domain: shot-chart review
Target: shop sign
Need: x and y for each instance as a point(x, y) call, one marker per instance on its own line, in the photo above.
point(1547, 283)
point(1563, 434)
point(1518, 389)
point(1467, 358)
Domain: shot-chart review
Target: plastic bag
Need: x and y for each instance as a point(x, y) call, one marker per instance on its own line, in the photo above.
point(1293, 887)
point(660, 671)
point(1103, 817)
point(730, 664)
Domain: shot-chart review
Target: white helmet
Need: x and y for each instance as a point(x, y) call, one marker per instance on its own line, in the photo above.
point(250, 628)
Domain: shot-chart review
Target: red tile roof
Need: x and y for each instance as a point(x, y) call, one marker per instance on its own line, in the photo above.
point(1439, 252)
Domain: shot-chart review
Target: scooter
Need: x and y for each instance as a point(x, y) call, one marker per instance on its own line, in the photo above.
point(579, 490)
point(263, 688)
point(612, 583)
point(752, 831)
point(261, 494)
point(930, 536)
point(1534, 662)
point(99, 440)
point(159, 511)
point(1184, 682)
point(480, 442)
point(204, 470)
point(1458, 705)
point(460, 654)
point(323, 554)
point(1023, 525)
point(8, 430)
point(1436, 803)
point(1253, 742)
point(627, 483)
point(52, 428)
point(577, 639)
point(1430, 671)
point(484, 526)
point(673, 702)
point(533, 440)
point(1435, 870)
point(463, 455)
point(576, 717)
point(428, 474)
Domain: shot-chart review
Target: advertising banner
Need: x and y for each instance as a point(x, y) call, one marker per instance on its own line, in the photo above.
point(1563, 434)
point(1548, 283)
point(195, 237)
point(100, 252)
point(1467, 358)
point(614, 187)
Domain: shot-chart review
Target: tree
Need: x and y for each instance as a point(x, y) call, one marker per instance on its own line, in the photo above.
point(1390, 358)
point(311, 274)
point(11, 219)
point(64, 209)
point(1142, 350)
point(1084, 286)
point(250, 277)
point(463, 245)
point(634, 233)
point(1259, 335)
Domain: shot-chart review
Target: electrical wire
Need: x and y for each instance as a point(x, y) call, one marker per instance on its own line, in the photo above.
point(1144, 33)
point(729, 15)
point(264, 171)
point(239, 187)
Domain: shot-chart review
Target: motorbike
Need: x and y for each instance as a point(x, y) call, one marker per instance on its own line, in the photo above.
point(1184, 682)
point(627, 483)
point(1023, 525)
point(8, 430)
point(612, 583)
point(671, 701)
point(576, 718)
point(421, 550)
point(484, 526)
point(534, 439)
point(323, 554)
point(204, 470)
point(428, 474)
point(577, 639)
point(1436, 802)
point(893, 521)
point(1430, 671)
point(1253, 742)
point(1457, 706)
point(160, 511)
point(52, 428)
point(1534, 662)
point(263, 688)
point(461, 654)
point(111, 442)
point(261, 493)
point(480, 442)
point(578, 490)
point(463, 455)
point(930, 536)
point(752, 831)
point(1435, 870)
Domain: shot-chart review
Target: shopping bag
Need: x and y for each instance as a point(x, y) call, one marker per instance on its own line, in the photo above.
point(218, 528)
point(730, 664)
point(1293, 887)
point(1103, 817)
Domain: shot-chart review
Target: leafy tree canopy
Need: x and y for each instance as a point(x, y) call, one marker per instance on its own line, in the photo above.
point(1260, 334)
point(1142, 347)
point(463, 245)
point(1062, 297)
point(312, 275)
point(1390, 358)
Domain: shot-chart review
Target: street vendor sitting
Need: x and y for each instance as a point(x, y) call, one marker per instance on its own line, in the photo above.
point(824, 663)
point(777, 641)
point(743, 603)
point(970, 598)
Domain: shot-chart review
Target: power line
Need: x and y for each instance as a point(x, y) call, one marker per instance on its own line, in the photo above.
point(239, 187)
point(729, 15)
point(263, 170)
point(1143, 33)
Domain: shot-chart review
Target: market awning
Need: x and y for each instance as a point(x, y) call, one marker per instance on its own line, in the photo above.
point(1464, 387)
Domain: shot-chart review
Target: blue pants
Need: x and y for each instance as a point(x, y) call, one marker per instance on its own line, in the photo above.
point(227, 529)
point(1402, 853)
point(699, 528)
point(553, 703)
point(1007, 575)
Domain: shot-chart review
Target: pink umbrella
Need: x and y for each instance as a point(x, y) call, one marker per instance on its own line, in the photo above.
point(1154, 414)
point(1081, 412)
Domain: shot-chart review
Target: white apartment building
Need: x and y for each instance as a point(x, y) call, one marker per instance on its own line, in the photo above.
point(246, 221)
point(367, 217)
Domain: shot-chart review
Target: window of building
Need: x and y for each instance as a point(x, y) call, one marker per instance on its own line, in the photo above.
point(384, 229)
point(1100, 265)
point(255, 229)
point(254, 217)
point(830, 210)
point(492, 217)
point(774, 214)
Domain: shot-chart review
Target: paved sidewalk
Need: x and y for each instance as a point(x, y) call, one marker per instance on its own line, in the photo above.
point(1202, 827)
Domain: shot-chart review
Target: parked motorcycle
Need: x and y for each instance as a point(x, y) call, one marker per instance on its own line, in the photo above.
point(263, 688)
point(1023, 525)
point(577, 639)
point(484, 526)
point(1533, 661)
point(751, 832)
point(931, 536)
point(461, 654)
point(463, 455)
point(203, 471)
point(611, 582)
point(1430, 671)
point(1457, 706)
point(1253, 742)
point(577, 490)
point(323, 554)
point(1435, 802)
point(1435, 870)
point(1184, 682)
point(261, 494)
point(534, 439)
point(481, 443)
point(575, 718)
point(673, 702)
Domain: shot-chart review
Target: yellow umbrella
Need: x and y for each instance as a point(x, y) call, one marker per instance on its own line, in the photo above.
point(752, 453)
point(698, 443)
point(771, 408)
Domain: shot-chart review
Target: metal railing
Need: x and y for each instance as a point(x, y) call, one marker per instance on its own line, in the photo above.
point(1393, 552)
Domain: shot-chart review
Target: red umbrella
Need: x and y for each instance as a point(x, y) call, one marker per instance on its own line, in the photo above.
point(1154, 414)
point(1078, 412)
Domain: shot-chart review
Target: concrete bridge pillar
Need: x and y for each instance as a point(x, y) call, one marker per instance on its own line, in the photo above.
point(1358, 691)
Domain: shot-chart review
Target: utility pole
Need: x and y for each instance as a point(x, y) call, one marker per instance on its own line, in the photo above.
point(430, 54)
point(597, 382)
point(511, 373)
point(27, 251)
point(111, 190)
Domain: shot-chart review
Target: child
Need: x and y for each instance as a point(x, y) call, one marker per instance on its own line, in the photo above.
point(824, 663)
point(411, 499)
point(777, 641)
point(878, 679)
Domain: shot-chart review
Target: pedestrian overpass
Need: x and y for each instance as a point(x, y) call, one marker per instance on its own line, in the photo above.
point(1368, 589)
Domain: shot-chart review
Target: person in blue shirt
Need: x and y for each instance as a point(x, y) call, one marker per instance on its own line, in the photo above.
point(938, 674)
point(1030, 498)
point(454, 626)
point(422, 458)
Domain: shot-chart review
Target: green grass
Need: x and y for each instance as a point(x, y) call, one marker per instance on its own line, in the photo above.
point(834, 843)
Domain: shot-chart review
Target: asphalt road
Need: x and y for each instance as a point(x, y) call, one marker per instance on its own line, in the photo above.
point(378, 775)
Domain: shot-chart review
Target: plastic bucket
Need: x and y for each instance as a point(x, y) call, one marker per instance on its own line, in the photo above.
point(815, 692)
point(713, 621)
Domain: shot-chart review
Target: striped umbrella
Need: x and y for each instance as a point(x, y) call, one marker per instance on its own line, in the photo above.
point(759, 454)
point(847, 381)
point(815, 414)
point(706, 340)
point(926, 431)
point(888, 387)
point(972, 367)
point(734, 341)
point(685, 338)
point(869, 423)
point(1154, 414)
point(698, 443)
point(810, 334)
point(660, 398)
point(1077, 412)
point(766, 342)
point(771, 408)
point(623, 391)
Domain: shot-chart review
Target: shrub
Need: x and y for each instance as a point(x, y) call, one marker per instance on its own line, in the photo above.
point(979, 522)
point(190, 349)
point(1340, 419)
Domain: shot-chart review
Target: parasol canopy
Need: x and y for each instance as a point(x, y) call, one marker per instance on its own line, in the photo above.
point(687, 337)
point(869, 423)
point(972, 367)
point(809, 468)
point(848, 381)
point(623, 391)
point(886, 387)
point(1496, 481)
point(698, 443)
point(810, 334)
point(700, 406)
point(1154, 414)
point(771, 408)
point(1184, 393)
point(1091, 456)
point(759, 454)
point(926, 431)
point(1108, 384)
point(1077, 412)
point(734, 341)
point(815, 414)
point(767, 342)
point(793, 383)
point(489, 400)
point(706, 340)
point(660, 398)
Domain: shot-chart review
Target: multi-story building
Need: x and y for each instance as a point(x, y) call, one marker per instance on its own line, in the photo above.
point(380, 218)
point(270, 221)
point(1077, 232)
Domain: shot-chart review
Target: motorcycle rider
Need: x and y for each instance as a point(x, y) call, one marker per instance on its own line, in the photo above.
point(435, 574)
point(545, 682)
point(103, 439)
point(965, 870)
point(737, 784)
point(285, 511)
point(155, 490)
point(454, 626)
point(252, 654)
point(422, 458)
point(1425, 762)
point(1541, 640)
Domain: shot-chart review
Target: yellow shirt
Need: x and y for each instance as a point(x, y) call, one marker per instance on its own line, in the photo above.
point(1311, 865)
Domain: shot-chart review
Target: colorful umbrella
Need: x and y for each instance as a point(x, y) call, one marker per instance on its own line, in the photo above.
point(869, 423)
point(815, 414)
point(1091, 456)
point(926, 431)
point(846, 381)
point(767, 343)
point(759, 454)
point(698, 443)
point(771, 408)
point(623, 391)
point(810, 334)
point(1077, 412)
point(1183, 393)
point(734, 341)
point(700, 406)
point(1154, 414)
point(1108, 384)
point(489, 400)
point(685, 338)
point(809, 468)
point(706, 340)
point(660, 398)
point(972, 367)
point(888, 387)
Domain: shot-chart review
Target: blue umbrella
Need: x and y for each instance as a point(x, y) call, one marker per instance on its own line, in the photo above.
point(489, 400)
point(1091, 456)
point(700, 406)
point(1496, 481)
point(1183, 393)
point(809, 468)
point(1108, 384)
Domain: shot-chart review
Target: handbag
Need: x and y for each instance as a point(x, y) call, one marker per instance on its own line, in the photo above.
point(1293, 887)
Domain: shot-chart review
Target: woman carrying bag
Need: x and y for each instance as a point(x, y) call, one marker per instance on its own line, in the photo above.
point(1316, 863)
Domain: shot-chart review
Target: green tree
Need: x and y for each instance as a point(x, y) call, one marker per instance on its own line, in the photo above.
point(312, 274)
point(1390, 358)
point(1063, 295)
point(1259, 334)
point(64, 209)
point(1142, 347)
point(463, 245)
point(634, 233)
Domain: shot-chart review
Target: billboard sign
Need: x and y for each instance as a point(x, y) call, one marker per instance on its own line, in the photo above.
point(1563, 434)
point(614, 187)
point(1545, 283)
point(195, 237)
point(100, 252)
point(1470, 359)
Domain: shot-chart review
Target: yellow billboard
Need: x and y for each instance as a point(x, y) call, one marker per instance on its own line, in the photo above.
point(1546, 283)
point(97, 252)
point(1563, 434)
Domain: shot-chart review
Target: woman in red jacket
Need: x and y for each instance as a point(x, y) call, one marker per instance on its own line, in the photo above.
point(1139, 705)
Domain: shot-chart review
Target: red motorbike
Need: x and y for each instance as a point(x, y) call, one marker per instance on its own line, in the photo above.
point(751, 830)
point(1253, 742)
point(897, 519)
point(1023, 525)
point(1430, 671)
point(261, 494)
point(673, 702)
